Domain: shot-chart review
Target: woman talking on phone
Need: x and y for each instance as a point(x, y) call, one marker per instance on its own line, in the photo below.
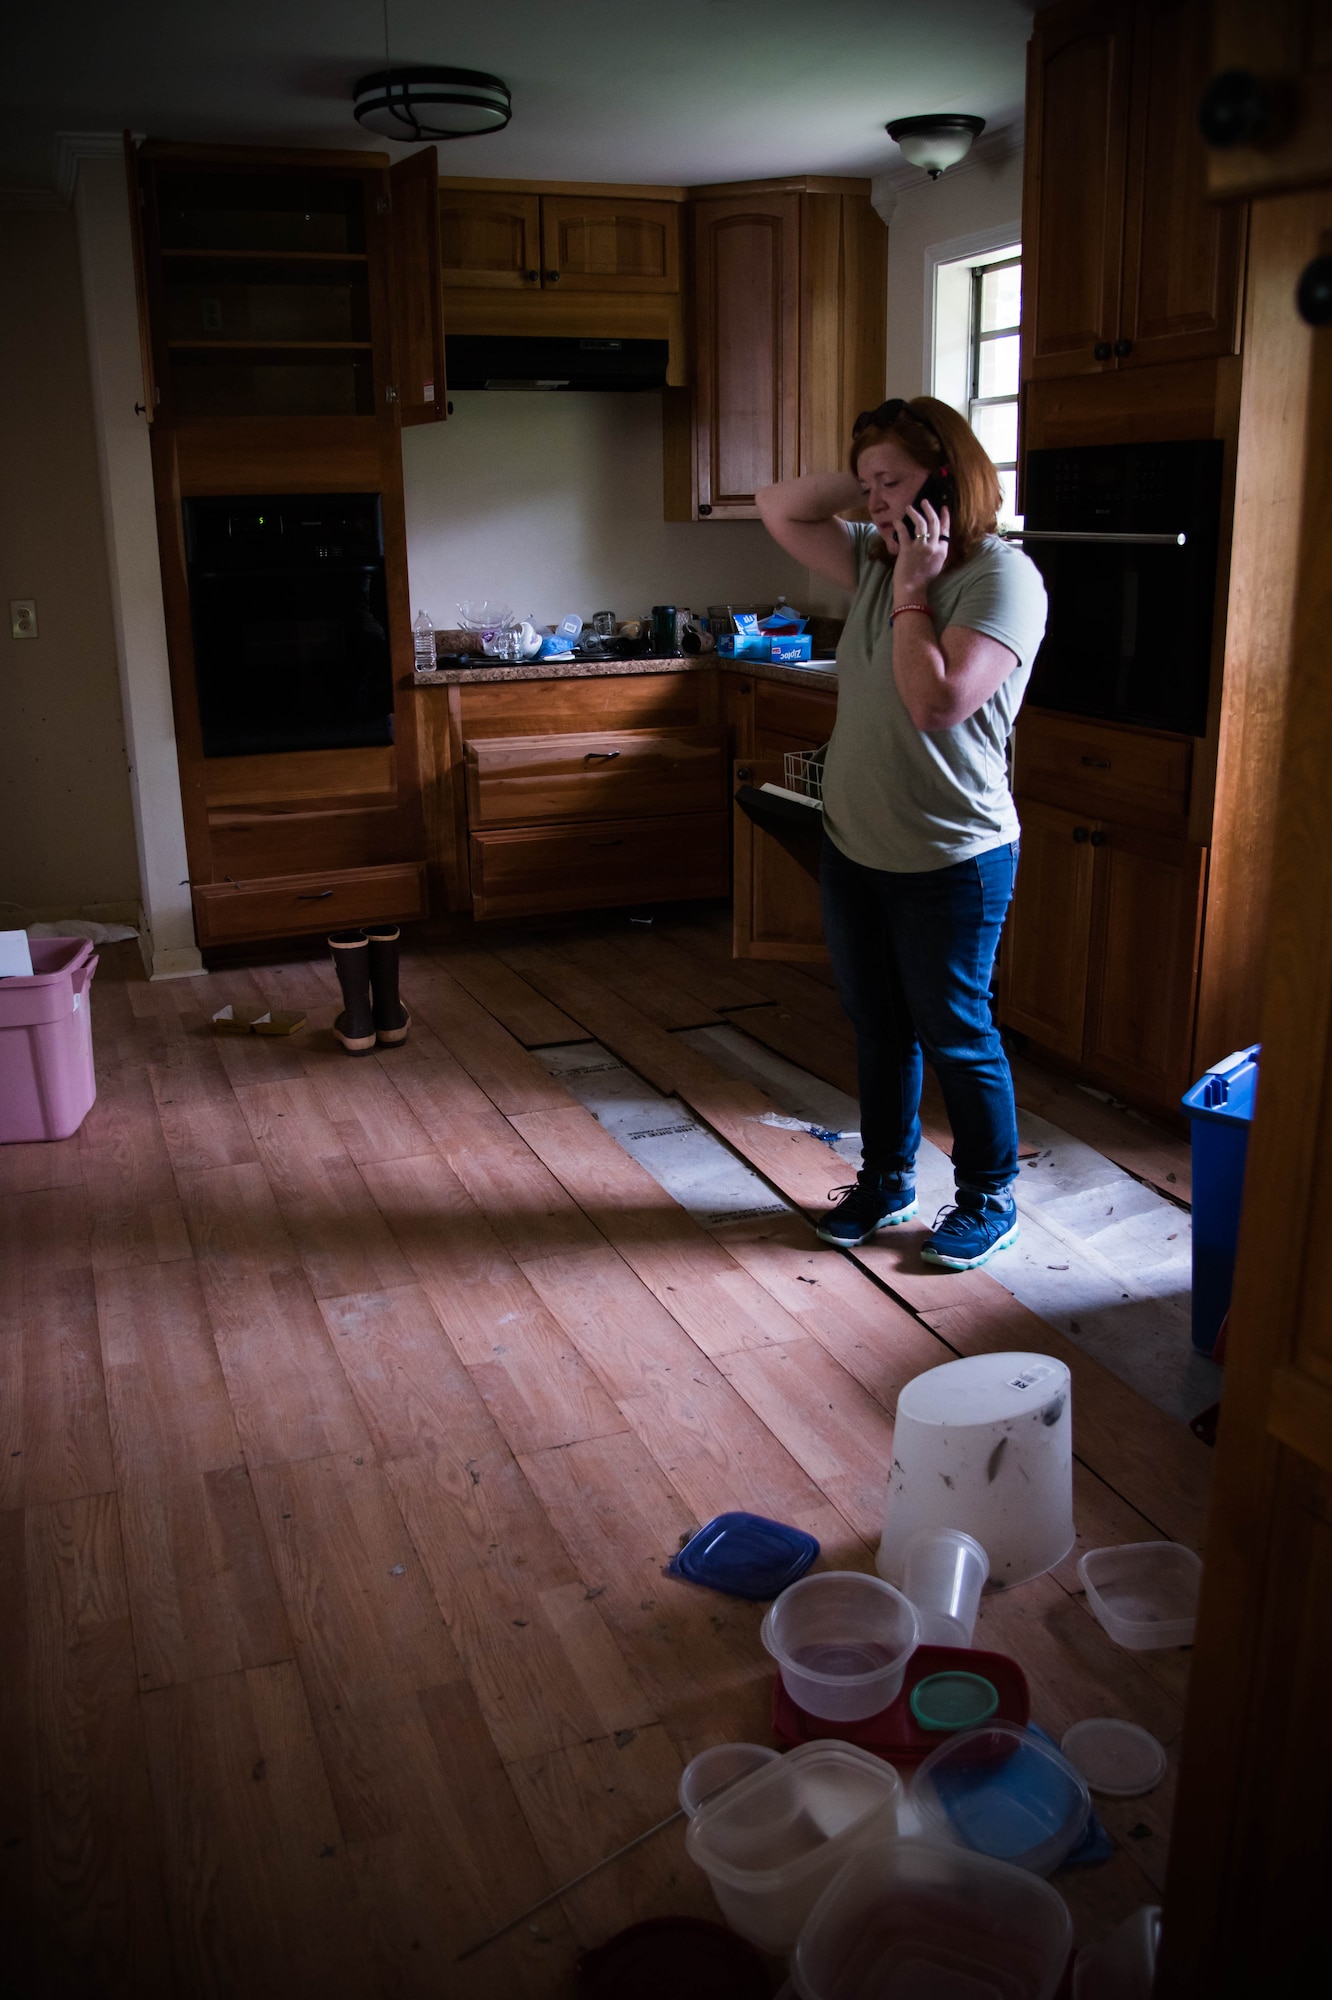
point(920, 841)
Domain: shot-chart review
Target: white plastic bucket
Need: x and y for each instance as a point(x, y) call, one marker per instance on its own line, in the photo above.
point(985, 1445)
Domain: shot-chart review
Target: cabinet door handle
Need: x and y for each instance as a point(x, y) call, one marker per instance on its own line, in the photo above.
point(1099, 839)
point(705, 508)
point(1097, 763)
point(616, 842)
point(532, 277)
point(588, 755)
point(1123, 348)
point(1102, 351)
point(318, 896)
point(1081, 833)
point(552, 277)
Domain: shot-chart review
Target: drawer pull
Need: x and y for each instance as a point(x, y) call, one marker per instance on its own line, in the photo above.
point(1099, 839)
point(590, 755)
point(1097, 763)
point(1081, 833)
point(317, 896)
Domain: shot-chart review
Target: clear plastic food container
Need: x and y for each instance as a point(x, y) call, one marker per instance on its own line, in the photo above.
point(1145, 1594)
point(772, 1842)
point(842, 1641)
point(908, 1920)
point(1003, 1792)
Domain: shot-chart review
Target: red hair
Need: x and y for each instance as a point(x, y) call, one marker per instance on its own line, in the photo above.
point(944, 439)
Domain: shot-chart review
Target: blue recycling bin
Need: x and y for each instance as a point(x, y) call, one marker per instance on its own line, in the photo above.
point(1220, 1108)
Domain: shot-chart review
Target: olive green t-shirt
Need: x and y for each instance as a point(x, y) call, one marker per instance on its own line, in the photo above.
point(908, 800)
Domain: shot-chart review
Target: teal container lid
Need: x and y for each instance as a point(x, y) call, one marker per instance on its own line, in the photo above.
point(953, 1701)
point(1224, 1093)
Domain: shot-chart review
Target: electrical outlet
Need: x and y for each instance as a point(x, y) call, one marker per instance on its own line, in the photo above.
point(23, 617)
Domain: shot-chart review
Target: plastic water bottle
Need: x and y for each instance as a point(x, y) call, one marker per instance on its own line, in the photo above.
point(423, 635)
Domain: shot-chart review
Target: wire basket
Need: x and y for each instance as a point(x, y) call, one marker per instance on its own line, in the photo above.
point(803, 773)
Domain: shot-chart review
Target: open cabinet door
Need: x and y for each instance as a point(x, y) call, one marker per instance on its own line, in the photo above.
point(775, 906)
point(418, 290)
point(1246, 1895)
point(134, 187)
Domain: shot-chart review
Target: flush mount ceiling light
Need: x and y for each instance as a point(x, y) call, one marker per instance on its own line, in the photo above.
point(937, 141)
point(416, 101)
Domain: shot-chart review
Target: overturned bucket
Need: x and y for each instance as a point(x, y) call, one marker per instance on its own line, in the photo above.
point(985, 1445)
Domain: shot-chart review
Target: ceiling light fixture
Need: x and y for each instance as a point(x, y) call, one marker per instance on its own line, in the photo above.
point(416, 101)
point(937, 141)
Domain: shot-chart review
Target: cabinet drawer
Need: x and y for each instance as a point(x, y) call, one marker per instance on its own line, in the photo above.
point(1137, 776)
point(610, 774)
point(286, 905)
point(525, 870)
point(787, 718)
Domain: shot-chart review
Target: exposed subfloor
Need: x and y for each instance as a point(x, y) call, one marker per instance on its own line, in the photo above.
point(1102, 1256)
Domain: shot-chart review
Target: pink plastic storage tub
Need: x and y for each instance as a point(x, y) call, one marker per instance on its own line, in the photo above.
point(47, 1084)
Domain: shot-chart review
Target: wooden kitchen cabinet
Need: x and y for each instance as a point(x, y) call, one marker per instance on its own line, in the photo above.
point(594, 243)
point(576, 793)
point(1099, 957)
point(1047, 938)
point(1145, 931)
point(1127, 264)
point(511, 239)
point(788, 313)
point(292, 315)
point(775, 884)
point(489, 239)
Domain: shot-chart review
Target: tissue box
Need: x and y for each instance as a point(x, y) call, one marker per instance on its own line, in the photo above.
point(788, 652)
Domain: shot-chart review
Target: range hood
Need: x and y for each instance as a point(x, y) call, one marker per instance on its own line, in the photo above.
point(508, 361)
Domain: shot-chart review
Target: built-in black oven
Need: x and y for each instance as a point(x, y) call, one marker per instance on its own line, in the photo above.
point(1126, 538)
point(290, 621)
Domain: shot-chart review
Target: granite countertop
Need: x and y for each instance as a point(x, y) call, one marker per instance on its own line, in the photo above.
point(818, 674)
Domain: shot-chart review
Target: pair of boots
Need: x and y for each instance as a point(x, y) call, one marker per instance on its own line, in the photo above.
point(372, 1014)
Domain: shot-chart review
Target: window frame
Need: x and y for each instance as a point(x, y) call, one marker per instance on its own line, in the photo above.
point(978, 338)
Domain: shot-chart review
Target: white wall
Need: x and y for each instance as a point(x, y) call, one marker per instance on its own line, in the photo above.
point(101, 206)
point(68, 841)
point(551, 502)
point(973, 207)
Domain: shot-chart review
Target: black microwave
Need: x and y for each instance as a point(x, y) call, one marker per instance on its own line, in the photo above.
point(1126, 539)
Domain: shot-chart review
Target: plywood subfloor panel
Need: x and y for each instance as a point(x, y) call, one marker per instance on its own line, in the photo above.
point(350, 1414)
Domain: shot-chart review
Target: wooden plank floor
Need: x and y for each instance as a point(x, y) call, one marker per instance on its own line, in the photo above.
point(349, 1412)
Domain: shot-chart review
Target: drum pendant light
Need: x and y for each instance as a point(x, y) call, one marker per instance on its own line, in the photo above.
point(416, 101)
point(936, 141)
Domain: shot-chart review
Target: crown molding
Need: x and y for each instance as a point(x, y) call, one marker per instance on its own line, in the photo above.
point(992, 150)
point(71, 147)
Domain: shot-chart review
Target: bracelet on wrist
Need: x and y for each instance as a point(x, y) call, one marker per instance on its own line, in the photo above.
point(898, 609)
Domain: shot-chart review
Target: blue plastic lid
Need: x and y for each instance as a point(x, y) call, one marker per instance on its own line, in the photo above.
point(745, 1556)
point(1225, 1092)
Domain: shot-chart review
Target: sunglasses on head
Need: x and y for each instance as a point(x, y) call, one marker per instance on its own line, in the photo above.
point(886, 416)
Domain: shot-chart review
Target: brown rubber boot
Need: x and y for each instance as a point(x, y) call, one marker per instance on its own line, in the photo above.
point(392, 1019)
point(355, 1025)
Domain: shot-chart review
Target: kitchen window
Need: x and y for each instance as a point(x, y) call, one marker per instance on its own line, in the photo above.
point(976, 326)
point(996, 320)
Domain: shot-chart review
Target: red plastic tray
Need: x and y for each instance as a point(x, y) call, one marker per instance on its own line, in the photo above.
point(894, 1733)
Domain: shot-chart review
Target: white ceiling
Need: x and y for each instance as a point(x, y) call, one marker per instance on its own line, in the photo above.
point(640, 90)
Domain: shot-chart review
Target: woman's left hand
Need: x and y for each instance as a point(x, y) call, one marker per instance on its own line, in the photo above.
point(919, 559)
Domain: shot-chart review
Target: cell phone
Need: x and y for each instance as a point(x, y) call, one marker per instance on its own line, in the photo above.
point(938, 490)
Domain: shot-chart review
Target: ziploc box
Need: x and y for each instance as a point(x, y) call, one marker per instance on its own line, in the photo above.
point(788, 652)
point(746, 642)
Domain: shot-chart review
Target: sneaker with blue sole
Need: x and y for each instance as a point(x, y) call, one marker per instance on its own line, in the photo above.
point(968, 1234)
point(871, 1202)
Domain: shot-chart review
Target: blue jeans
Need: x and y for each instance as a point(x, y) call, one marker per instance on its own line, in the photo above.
point(913, 957)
